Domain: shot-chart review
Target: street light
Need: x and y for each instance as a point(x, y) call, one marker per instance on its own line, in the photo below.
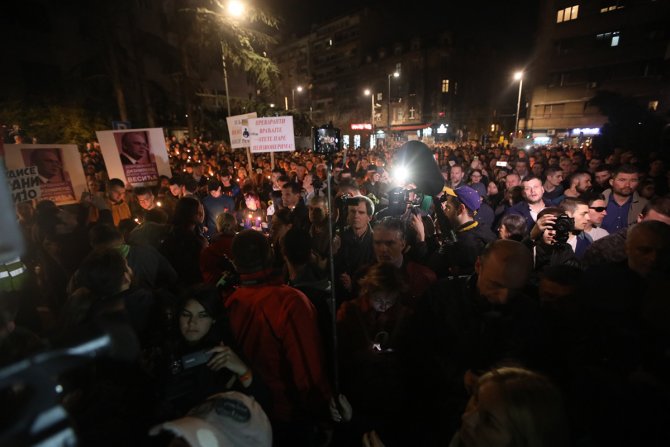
point(234, 9)
point(368, 92)
point(518, 76)
point(299, 89)
point(395, 74)
point(372, 114)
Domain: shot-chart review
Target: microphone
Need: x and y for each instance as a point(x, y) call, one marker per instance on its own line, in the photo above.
point(31, 386)
point(110, 336)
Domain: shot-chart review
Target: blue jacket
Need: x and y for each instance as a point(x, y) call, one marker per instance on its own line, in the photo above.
point(522, 209)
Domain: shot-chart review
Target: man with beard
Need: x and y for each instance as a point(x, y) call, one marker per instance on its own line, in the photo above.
point(458, 257)
point(115, 195)
point(624, 204)
point(533, 202)
point(580, 183)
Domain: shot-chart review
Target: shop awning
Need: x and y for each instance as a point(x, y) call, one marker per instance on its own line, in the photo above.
point(409, 127)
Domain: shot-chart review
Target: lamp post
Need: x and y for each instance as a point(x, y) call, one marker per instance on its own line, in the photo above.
point(372, 114)
point(395, 74)
point(225, 77)
point(368, 92)
point(235, 9)
point(299, 88)
point(518, 76)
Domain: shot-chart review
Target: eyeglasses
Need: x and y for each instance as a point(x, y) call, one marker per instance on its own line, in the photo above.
point(598, 209)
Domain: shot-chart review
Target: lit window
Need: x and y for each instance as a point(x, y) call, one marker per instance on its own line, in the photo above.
point(567, 14)
point(609, 38)
point(445, 85)
point(615, 40)
point(613, 6)
point(653, 106)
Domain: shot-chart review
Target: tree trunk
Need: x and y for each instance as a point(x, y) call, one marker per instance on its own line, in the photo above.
point(114, 72)
point(188, 90)
point(140, 74)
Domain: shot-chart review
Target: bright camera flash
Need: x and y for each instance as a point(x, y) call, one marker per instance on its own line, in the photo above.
point(401, 175)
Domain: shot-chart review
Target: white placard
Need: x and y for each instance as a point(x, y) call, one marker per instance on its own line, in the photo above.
point(24, 184)
point(136, 156)
point(238, 129)
point(58, 166)
point(272, 134)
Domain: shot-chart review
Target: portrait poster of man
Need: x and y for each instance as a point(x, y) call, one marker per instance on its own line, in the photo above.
point(138, 156)
point(60, 173)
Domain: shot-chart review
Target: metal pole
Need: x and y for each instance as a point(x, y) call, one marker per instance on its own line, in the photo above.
point(388, 108)
point(372, 117)
point(293, 98)
point(225, 78)
point(518, 107)
point(331, 260)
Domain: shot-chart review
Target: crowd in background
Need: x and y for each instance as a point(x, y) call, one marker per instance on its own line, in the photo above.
point(523, 303)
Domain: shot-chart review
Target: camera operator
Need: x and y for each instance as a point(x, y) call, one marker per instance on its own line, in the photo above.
point(458, 257)
point(578, 239)
point(550, 248)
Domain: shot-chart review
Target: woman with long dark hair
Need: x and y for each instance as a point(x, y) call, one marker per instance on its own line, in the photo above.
point(198, 358)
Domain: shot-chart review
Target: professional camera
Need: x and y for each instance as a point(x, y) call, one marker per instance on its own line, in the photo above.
point(401, 200)
point(400, 197)
point(563, 226)
point(327, 139)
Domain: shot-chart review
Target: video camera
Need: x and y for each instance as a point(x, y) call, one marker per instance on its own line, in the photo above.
point(327, 140)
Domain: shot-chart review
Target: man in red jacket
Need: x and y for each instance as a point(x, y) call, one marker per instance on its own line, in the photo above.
point(276, 327)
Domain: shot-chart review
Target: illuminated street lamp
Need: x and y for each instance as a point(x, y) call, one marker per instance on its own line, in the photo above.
point(299, 89)
point(518, 76)
point(368, 92)
point(395, 74)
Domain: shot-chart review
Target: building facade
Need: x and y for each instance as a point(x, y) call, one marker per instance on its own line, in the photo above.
point(587, 47)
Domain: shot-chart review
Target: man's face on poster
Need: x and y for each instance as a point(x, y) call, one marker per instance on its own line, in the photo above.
point(48, 164)
point(135, 145)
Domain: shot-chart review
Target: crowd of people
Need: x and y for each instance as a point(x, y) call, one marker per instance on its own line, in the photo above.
point(522, 303)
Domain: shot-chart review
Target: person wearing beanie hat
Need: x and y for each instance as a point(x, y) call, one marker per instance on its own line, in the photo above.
point(458, 257)
point(276, 327)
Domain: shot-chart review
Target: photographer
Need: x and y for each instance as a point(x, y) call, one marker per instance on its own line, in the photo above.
point(578, 211)
point(549, 246)
point(458, 257)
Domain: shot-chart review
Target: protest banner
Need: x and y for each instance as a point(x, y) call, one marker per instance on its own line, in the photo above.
point(137, 156)
point(23, 184)
point(238, 130)
point(60, 175)
point(272, 134)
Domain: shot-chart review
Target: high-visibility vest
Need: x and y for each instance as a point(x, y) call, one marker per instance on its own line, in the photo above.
point(13, 275)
